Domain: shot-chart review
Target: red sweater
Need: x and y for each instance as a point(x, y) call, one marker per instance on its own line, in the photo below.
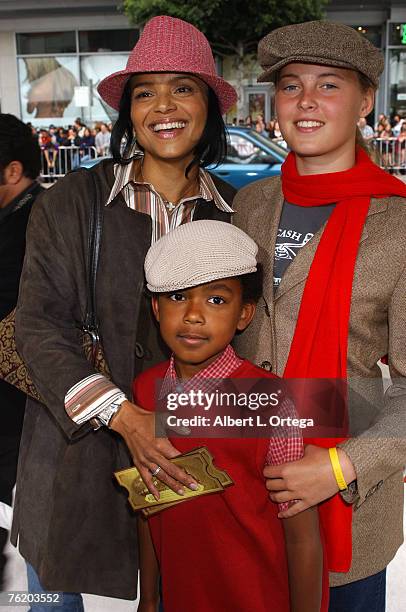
point(224, 551)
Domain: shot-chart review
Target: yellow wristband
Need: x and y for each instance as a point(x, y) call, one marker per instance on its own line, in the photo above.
point(338, 473)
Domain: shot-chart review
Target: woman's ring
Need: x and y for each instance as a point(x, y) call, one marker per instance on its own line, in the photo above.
point(156, 471)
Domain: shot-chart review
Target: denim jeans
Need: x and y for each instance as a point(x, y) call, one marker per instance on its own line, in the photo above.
point(366, 595)
point(72, 602)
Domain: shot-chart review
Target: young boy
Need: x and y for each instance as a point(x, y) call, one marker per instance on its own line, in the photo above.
point(223, 551)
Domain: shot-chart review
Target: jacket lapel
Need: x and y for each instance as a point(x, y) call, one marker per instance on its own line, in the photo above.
point(266, 235)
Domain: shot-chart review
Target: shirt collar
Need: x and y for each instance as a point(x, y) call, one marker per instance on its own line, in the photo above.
point(124, 176)
point(206, 379)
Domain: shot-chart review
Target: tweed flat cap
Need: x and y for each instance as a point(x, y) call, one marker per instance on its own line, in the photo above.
point(197, 253)
point(319, 42)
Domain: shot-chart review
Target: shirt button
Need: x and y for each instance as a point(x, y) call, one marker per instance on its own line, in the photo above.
point(266, 365)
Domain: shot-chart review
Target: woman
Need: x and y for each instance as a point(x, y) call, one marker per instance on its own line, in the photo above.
point(62, 137)
point(248, 121)
point(334, 297)
point(87, 145)
point(385, 133)
point(73, 137)
point(396, 125)
point(87, 140)
point(278, 136)
point(260, 125)
point(270, 129)
point(79, 535)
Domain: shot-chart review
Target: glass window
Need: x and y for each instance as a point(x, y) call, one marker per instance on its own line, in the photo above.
point(93, 69)
point(240, 150)
point(397, 34)
point(98, 41)
point(46, 42)
point(47, 88)
point(397, 81)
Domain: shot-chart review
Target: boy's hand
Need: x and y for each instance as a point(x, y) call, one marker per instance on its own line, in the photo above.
point(147, 606)
point(137, 427)
point(309, 480)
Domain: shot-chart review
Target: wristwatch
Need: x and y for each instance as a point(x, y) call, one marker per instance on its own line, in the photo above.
point(104, 417)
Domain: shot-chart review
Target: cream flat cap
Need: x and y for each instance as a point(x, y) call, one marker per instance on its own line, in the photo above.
point(196, 253)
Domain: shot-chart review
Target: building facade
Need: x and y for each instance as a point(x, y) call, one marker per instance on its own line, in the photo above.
point(381, 21)
point(53, 55)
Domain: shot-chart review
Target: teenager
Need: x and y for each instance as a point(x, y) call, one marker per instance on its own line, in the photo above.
point(224, 551)
point(77, 534)
point(332, 232)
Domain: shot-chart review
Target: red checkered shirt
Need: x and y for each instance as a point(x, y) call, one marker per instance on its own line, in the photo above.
point(287, 443)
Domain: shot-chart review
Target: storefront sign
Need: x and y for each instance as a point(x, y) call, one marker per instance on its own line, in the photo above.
point(403, 33)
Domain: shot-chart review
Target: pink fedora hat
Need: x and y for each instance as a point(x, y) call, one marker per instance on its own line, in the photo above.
point(169, 45)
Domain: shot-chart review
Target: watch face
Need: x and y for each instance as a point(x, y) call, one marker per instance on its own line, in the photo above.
point(111, 411)
point(107, 414)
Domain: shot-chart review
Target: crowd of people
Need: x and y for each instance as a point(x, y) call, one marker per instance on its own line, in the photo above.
point(269, 129)
point(95, 141)
point(390, 138)
point(388, 134)
point(89, 142)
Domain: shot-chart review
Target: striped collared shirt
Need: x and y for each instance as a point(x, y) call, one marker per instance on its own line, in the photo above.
point(143, 197)
point(94, 394)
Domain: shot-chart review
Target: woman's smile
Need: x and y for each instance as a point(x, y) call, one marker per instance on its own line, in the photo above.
point(169, 113)
point(308, 126)
point(168, 128)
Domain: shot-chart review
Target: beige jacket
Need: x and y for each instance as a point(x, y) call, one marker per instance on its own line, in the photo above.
point(377, 327)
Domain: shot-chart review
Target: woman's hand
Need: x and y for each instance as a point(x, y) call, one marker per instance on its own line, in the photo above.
point(137, 427)
point(310, 480)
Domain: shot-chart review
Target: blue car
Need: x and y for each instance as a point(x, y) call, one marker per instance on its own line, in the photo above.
point(250, 157)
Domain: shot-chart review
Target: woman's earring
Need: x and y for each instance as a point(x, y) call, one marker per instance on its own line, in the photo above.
point(203, 155)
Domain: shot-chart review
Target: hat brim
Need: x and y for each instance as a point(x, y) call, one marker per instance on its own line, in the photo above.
point(111, 88)
point(269, 74)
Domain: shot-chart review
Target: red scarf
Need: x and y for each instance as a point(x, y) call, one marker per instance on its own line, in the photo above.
point(319, 345)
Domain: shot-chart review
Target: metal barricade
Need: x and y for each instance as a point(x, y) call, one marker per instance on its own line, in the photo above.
point(56, 160)
point(391, 152)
